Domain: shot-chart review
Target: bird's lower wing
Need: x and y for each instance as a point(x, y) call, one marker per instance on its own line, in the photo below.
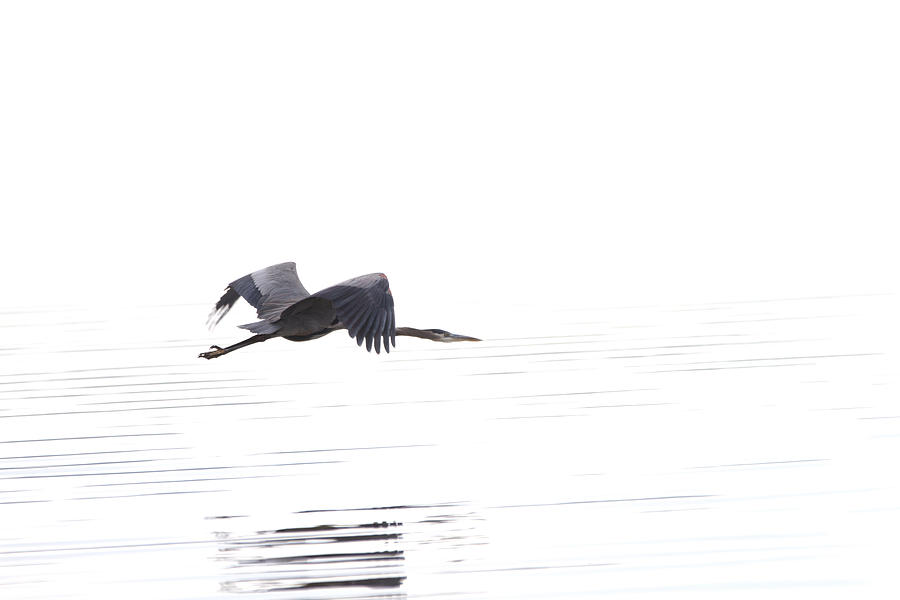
point(366, 308)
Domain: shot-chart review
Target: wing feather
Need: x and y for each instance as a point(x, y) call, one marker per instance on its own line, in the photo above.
point(393, 331)
point(222, 307)
point(365, 306)
point(368, 327)
point(354, 314)
point(379, 329)
point(270, 291)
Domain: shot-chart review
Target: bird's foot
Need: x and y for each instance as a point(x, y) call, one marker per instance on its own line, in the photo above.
point(214, 351)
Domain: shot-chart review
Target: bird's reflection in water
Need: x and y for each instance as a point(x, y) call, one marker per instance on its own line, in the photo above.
point(352, 560)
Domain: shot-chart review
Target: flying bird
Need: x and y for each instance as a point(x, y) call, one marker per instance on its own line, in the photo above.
point(363, 306)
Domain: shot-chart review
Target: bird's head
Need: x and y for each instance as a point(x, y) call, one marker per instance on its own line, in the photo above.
point(439, 335)
point(435, 335)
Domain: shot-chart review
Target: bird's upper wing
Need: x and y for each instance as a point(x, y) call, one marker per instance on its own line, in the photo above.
point(269, 291)
point(365, 306)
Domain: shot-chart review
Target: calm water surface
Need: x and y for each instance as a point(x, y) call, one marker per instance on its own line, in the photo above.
point(727, 450)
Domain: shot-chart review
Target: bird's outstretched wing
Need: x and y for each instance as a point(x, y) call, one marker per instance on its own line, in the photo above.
point(269, 291)
point(365, 306)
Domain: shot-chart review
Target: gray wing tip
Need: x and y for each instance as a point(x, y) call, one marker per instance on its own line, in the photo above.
point(222, 307)
point(246, 287)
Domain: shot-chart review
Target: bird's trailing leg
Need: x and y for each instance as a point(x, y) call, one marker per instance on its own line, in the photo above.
point(216, 351)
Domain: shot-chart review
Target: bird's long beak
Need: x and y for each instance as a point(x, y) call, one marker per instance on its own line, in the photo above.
point(455, 337)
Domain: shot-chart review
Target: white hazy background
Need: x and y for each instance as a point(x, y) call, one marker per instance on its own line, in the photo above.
point(519, 170)
point(584, 152)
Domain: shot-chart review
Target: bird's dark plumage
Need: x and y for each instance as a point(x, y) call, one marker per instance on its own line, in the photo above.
point(366, 307)
point(363, 306)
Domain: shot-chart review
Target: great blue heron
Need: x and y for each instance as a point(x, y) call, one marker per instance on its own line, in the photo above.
point(363, 306)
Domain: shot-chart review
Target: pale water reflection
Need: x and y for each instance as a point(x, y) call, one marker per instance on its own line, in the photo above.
point(739, 449)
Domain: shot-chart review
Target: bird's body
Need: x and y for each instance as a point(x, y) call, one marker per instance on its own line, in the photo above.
point(364, 306)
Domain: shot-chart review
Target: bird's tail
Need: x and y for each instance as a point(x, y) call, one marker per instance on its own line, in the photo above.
point(262, 327)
